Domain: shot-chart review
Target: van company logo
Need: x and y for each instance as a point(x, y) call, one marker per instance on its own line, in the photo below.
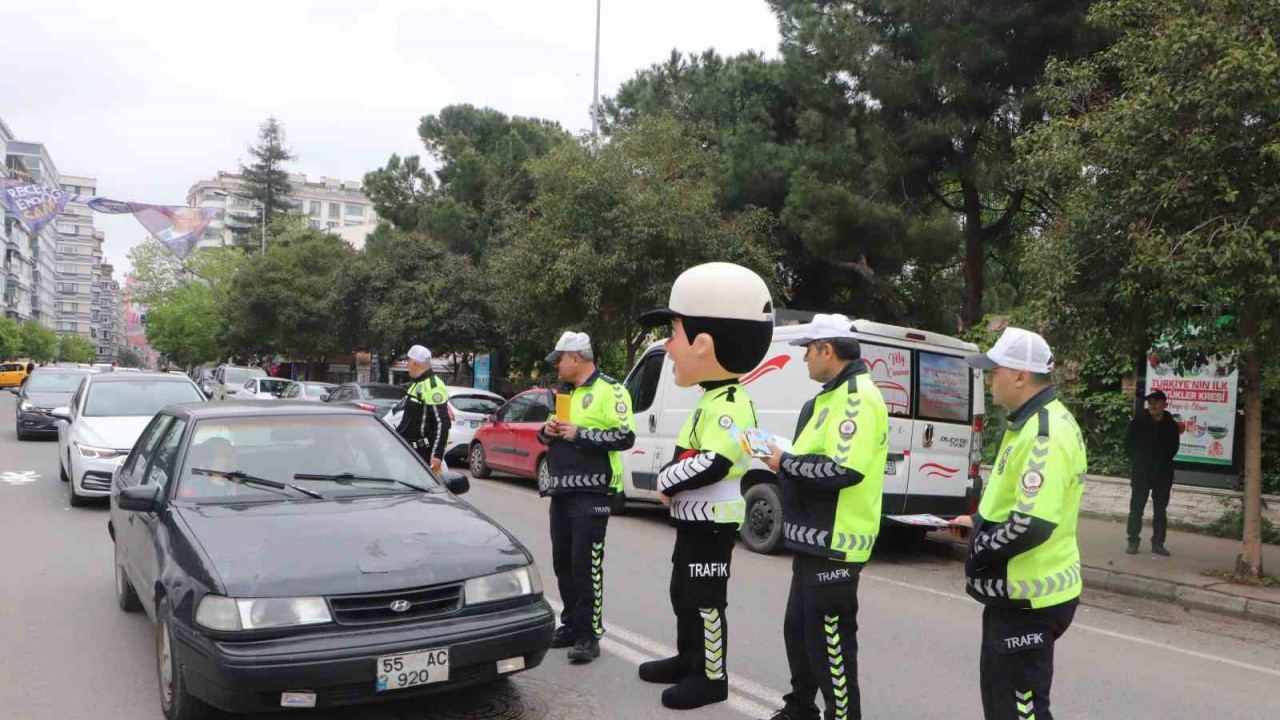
point(771, 365)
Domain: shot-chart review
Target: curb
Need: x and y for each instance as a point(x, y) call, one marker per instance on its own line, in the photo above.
point(1158, 589)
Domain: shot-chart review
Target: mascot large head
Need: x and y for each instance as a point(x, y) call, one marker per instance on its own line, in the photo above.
point(721, 319)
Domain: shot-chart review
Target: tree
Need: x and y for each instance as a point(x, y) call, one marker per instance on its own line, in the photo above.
point(38, 342)
point(953, 85)
point(1164, 146)
point(73, 348)
point(157, 271)
point(10, 338)
point(185, 325)
point(284, 302)
point(608, 231)
point(265, 178)
point(130, 358)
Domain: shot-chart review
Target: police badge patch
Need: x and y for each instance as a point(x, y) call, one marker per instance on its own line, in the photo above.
point(586, 400)
point(437, 398)
point(1032, 481)
point(847, 429)
point(726, 422)
point(620, 408)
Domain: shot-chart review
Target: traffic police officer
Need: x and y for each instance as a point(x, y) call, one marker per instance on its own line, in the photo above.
point(721, 319)
point(425, 422)
point(1023, 563)
point(583, 477)
point(831, 483)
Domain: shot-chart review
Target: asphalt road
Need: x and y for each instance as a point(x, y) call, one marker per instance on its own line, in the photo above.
point(69, 653)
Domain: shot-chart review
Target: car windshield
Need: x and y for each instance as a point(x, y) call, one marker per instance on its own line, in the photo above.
point(318, 390)
point(475, 404)
point(272, 386)
point(137, 398)
point(55, 382)
point(237, 376)
point(278, 448)
point(383, 392)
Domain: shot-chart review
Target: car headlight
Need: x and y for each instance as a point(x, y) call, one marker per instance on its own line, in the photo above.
point(25, 406)
point(232, 614)
point(97, 453)
point(503, 585)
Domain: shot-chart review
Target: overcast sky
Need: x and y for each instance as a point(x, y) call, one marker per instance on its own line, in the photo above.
point(151, 96)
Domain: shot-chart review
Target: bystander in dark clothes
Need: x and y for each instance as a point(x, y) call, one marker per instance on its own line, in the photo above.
point(1151, 442)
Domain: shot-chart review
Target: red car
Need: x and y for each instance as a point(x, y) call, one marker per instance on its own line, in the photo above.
point(509, 442)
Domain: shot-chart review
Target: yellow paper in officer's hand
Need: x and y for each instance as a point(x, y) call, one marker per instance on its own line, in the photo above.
point(563, 406)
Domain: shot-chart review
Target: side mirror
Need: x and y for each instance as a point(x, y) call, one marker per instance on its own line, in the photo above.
point(61, 413)
point(456, 482)
point(490, 419)
point(140, 498)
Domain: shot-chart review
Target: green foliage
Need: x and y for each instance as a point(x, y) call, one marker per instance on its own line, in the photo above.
point(265, 177)
point(73, 348)
point(607, 232)
point(130, 358)
point(38, 342)
point(184, 325)
point(10, 338)
point(1231, 525)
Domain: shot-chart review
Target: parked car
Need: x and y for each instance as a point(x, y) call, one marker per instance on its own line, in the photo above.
point(244, 530)
point(12, 374)
point(228, 381)
point(510, 444)
point(310, 391)
point(264, 388)
point(45, 389)
point(103, 420)
point(376, 398)
point(104, 367)
point(469, 409)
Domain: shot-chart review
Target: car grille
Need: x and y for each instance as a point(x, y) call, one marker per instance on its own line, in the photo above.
point(375, 609)
point(96, 481)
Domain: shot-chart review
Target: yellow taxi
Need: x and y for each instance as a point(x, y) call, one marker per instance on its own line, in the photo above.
point(12, 374)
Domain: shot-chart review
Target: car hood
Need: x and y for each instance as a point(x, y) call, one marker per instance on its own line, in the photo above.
point(357, 545)
point(113, 432)
point(49, 400)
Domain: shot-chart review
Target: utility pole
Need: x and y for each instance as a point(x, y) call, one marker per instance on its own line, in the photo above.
point(595, 88)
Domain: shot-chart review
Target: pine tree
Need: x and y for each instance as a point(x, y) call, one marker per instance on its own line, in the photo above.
point(265, 178)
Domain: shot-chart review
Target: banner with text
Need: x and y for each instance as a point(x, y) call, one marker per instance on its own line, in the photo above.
point(1203, 403)
point(35, 205)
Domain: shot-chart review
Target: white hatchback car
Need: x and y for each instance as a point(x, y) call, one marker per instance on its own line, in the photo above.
point(263, 388)
point(468, 409)
point(104, 419)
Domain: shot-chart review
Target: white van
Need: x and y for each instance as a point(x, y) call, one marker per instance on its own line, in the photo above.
point(936, 410)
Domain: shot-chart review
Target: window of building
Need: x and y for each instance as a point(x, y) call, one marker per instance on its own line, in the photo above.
point(333, 224)
point(335, 211)
point(314, 208)
point(354, 210)
point(66, 228)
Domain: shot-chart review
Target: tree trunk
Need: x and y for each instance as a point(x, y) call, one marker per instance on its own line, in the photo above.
point(975, 255)
point(1249, 563)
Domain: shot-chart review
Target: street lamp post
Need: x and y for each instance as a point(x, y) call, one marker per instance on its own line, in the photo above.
point(262, 213)
point(595, 85)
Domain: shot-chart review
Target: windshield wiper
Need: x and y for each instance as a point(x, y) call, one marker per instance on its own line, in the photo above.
point(247, 479)
point(348, 477)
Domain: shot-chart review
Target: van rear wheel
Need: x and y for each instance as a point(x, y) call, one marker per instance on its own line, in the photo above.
point(762, 529)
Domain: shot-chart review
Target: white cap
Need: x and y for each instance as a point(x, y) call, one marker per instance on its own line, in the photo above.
point(418, 353)
point(570, 342)
point(719, 290)
point(1017, 349)
point(826, 327)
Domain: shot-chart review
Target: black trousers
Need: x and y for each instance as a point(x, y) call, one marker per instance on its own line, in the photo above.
point(578, 524)
point(1159, 491)
point(699, 595)
point(821, 634)
point(1017, 660)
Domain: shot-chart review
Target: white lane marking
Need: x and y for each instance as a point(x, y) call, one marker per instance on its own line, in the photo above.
point(648, 649)
point(1080, 626)
point(1097, 630)
point(13, 477)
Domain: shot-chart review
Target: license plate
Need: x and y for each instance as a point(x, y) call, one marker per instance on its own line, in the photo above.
point(411, 669)
point(890, 467)
point(476, 423)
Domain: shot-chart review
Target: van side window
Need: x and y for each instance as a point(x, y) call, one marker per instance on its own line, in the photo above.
point(643, 381)
point(890, 369)
point(946, 388)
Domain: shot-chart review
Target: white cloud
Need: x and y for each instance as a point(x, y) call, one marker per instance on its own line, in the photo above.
point(151, 96)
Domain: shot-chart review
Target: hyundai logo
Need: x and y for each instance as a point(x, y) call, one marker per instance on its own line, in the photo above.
point(400, 606)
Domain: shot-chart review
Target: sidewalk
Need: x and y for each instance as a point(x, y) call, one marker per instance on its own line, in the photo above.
point(1176, 579)
point(1179, 578)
